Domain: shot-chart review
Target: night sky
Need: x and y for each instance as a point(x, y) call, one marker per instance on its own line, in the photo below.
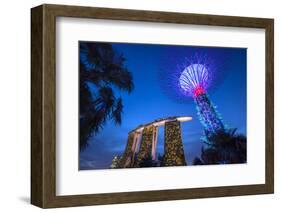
point(148, 101)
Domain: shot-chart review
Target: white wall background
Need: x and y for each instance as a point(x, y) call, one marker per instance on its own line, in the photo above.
point(15, 105)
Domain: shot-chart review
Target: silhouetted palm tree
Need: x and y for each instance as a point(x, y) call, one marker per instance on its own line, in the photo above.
point(101, 70)
point(224, 147)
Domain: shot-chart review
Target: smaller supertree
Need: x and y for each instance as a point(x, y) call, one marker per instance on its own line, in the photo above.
point(115, 162)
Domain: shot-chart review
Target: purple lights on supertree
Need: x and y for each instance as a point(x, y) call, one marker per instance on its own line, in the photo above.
point(208, 115)
point(192, 79)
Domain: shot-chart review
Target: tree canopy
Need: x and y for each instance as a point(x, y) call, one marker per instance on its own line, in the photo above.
point(101, 70)
point(225, 147)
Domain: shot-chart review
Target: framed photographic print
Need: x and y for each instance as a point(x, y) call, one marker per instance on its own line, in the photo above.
point(136, 106)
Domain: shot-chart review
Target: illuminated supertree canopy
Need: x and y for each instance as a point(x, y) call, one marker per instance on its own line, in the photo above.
point(194, 79)
point(191, 78)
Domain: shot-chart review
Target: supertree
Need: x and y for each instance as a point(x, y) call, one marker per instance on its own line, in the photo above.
point(194, 82)
point(191, 79)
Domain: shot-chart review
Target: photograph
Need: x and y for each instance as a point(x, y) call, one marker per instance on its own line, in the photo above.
point(155, 105)
point(143, 105)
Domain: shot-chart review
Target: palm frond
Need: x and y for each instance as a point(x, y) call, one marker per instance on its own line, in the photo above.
point(117, 111)
point(100, 65)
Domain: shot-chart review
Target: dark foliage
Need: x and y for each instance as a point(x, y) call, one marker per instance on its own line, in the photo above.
point(102, 70)
point(148, 162)
point(160, 160)
point(197, 161)
point(224, 147)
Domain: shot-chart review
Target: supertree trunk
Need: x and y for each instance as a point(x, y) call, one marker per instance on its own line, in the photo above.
point(208, 115)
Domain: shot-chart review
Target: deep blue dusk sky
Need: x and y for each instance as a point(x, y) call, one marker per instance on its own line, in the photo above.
point(148, 102)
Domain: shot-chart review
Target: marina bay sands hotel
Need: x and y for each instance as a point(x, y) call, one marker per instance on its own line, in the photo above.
point(142, 143)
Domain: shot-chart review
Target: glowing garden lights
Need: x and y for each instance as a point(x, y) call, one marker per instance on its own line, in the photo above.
point(192, 79)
